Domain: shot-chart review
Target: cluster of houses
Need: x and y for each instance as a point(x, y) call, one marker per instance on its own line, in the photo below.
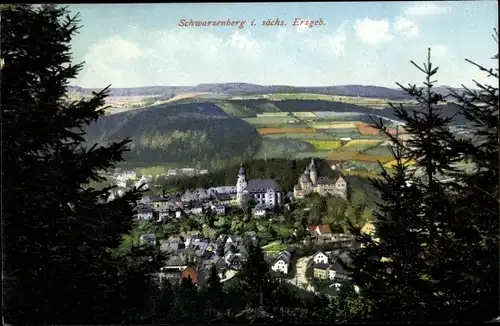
point(194, 256)
point(186, 172)
point(266, 193)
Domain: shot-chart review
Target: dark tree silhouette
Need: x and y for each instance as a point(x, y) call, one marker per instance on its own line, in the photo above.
point(58, 235)
point(434, 257)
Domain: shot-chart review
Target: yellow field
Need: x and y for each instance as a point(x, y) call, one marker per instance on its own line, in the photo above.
point(362, 174)
point(304, 114)
point(320, 125)
point(324, 144)
point(394, 162)
point(362, 143)
point(356, 156)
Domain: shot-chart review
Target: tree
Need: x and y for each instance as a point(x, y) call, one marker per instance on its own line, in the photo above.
point(59, 235)
point(254, 276)
point(214, 294)
point(439, 240)
point(394, 269)
point(474, 242)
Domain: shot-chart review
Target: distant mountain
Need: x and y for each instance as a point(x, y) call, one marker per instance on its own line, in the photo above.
point(369, 91)
point(249, 89)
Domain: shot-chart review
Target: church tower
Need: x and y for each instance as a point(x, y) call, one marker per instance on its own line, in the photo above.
point(241, 184)
point(313, 172)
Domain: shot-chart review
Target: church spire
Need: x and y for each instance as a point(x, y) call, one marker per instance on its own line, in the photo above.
point(242, 169)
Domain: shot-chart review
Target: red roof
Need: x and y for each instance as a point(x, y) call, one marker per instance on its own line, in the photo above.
point(324, 228)
point(190, 273)
point(312, 228)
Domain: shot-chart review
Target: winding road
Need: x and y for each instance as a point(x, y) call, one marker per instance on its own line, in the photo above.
point(300, 279)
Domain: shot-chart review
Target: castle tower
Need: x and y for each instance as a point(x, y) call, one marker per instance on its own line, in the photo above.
point(313, 172)
point(241, 184)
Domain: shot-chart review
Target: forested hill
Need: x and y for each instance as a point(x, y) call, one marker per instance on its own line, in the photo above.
point(189, 133)
point(285, 171)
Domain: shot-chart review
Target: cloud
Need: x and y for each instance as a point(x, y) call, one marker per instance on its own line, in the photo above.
point(247, 45)
point(104, 58)
point(335, 44)
point(426, 9)
point(439, 51)
point(115, 60)
point(118, 47)
point(406, 27)
point(372, 31)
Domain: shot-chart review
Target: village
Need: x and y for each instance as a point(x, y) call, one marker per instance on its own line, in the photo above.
point(211, 227)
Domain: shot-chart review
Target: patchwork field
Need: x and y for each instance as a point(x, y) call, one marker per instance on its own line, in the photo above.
point(361, 144)
point(365, 129)
point(375, 103)
point(268, 131)
point(344, 155)
point(275, 148)
point(272, 120)
point(393, 163)
point(273, 114)
point(382, 150)
point(333, 125)
point(304, 115)
point(325, 144)
point(306, 136)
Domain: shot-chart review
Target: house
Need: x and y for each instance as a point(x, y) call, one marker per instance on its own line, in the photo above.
point(204, 171)
point(171, 172)
point(144, 213)
point(369, 229)
point(322, 230)
point(190, 272)
point(223, 198)
point(336, 272)
point(178, 213)
point(163, 215)
point(320, 270)
point(259, 211)
point(266, 192)
point(310, 182)
point(148, 239)
point(196, 210)
point(219, 209)
point(320, 258)
point(188, 171)
point(158, 202)
point(282, 262)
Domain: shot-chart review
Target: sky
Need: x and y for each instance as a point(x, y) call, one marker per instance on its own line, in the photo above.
point(363, 43)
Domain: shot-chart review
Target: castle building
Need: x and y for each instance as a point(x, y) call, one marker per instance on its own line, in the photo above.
point(310, 182)
point(265, 192)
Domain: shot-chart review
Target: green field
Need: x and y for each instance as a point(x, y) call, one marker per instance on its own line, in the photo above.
point(304, 115)
point(273, 114)
point(276, 120)
point(315, 136)
point(320, 154)
point(361, 144)
point(376, 103)
point(351, 132)
point(378, 150)
point(275, 246)
point(275, 148)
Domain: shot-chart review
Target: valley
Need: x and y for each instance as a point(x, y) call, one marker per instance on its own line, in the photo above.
point(203, 129)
